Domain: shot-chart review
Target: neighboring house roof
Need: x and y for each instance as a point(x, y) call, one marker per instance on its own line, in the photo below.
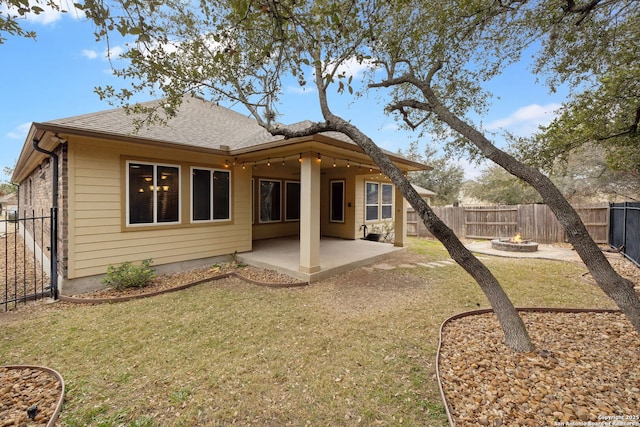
point(198, 125)
point(9, 199)
point(423, 191)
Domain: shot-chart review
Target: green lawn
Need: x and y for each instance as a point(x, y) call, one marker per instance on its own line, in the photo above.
point(354, 349)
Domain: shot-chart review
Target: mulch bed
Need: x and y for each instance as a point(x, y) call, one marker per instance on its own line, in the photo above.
point(584, 370)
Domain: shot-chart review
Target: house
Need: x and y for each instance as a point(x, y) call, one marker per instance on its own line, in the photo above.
point(8, 202)
point(424, 193)
point(206, 184)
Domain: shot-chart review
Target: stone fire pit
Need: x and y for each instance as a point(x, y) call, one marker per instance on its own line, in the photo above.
point(514, 246)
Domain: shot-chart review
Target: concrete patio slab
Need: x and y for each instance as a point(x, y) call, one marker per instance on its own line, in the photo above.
point(336, 256)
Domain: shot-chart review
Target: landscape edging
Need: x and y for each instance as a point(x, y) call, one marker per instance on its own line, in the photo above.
point(80, 300)
point(54, 373)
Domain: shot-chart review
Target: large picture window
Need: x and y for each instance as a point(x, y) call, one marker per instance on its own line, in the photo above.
point(292, 201)
point(270, 200)
point(337, 201)
point(378, 201)
point(153, 193)
point(210, 194)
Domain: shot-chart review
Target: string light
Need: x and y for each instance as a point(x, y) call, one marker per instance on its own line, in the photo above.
point(335, 160)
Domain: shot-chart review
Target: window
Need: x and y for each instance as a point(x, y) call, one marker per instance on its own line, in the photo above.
point(153, 193)
point(387, 201)
point(337, 201)
point(292, 201)
point(379, 201)
point(210, 194)
point(270, 195)
point(371, 201)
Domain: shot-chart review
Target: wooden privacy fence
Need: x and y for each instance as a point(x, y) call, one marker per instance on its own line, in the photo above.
point(533, 222)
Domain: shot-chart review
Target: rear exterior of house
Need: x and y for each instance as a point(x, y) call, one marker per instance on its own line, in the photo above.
point(125, 197)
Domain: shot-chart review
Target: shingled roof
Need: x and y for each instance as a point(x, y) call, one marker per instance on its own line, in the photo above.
point(199, 123)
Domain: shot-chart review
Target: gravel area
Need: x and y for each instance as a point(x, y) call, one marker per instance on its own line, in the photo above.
point(585, 369)
point(173, 280)
point(27, 391)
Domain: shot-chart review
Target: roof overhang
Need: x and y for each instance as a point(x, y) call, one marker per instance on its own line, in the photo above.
point(49, 136)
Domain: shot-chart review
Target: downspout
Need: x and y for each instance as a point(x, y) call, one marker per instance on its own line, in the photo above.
point(54, 217)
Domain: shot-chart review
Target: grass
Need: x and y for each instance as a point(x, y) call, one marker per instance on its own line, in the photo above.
point(354, 349)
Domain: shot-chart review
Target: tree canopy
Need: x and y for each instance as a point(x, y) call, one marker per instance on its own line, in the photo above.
point(427, 59)
point(444, 179)
point(12, 11)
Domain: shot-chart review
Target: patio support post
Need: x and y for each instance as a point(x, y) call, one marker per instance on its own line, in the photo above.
point(400, 219)
point(309, 215)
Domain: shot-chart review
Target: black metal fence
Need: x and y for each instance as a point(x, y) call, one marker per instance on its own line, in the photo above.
point(624, 231)
point(25, 268)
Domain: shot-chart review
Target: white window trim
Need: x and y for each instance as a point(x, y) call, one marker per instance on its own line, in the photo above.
point(260, 201)
point(382, 185)
point(155, 222)
point(366, 205)
point(342, 182)
point(286, 201)
point(201, 221)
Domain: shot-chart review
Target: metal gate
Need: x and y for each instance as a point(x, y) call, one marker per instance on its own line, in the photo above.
point(625, 229)
point(26, 251)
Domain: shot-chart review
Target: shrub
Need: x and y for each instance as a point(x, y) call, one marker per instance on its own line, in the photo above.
point(128, 275)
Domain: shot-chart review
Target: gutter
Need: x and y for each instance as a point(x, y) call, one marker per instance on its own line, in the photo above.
point(54, 217)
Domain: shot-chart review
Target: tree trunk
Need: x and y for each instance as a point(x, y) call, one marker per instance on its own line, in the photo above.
point(515, 332)
point(615, 286)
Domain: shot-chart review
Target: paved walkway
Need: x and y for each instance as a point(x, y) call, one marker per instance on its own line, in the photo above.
point(484, 248)
point(543, 252)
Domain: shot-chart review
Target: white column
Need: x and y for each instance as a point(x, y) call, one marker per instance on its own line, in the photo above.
point(309, 215)
point(400, 219)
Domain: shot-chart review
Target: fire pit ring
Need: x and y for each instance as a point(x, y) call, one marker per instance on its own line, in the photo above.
point(510, 246)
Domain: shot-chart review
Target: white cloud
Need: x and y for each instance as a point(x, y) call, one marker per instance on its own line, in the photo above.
point(20, 132)
point(114, 52)
point(300, 90)
point(49, 15)
point(390, 127)
point(526, 120)
point(89, 53)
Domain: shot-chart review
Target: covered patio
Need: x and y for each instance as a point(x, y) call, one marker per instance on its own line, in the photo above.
point(336, 255)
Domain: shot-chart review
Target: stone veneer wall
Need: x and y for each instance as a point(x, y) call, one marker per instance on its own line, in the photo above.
point(35, 201)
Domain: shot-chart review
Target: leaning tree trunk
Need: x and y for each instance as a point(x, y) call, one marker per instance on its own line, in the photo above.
point(615, 286)
point(515, 332)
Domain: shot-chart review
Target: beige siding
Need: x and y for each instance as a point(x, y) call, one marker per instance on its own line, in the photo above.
point(346, 229)
point(98, 234)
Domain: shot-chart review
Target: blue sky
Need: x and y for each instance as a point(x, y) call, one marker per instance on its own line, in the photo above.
point(55, 76)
